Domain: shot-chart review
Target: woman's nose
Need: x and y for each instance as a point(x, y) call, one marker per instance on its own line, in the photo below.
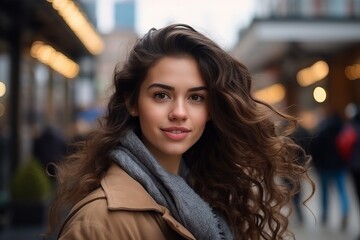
point(178, 111)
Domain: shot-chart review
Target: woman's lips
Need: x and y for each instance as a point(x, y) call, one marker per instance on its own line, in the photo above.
point(176, 133)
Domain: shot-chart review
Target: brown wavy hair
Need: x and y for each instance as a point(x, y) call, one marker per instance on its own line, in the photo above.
point(237, 163)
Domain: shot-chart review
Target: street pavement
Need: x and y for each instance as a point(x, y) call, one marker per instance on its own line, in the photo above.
point(312, 228)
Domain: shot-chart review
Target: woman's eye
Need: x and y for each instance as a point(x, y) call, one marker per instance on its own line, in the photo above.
point(196, 98)
point(161, 96)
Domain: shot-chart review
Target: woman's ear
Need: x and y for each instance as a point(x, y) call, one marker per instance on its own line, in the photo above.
point(133, 112)
point(132, 109)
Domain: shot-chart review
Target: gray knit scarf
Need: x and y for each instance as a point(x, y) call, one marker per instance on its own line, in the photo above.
point(170, 190)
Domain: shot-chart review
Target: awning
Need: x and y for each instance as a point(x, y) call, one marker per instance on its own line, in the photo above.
point(269, 39)
point(38, 20)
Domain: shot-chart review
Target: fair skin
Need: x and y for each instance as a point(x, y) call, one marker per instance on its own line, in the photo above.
point(172, 109)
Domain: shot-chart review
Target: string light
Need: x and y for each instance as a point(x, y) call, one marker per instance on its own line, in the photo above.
point(2, 89)
point(55, 59)
point(272, 94)
point(79, 24)
point(312, 74)
point(319, 94)
point(353, 72)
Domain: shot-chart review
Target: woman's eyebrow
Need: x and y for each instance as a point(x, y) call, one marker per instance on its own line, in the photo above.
point(160, 85)
point(167, 87)
point(194, 89)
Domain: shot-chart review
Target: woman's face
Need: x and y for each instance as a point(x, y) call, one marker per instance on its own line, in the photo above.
point(172, 107)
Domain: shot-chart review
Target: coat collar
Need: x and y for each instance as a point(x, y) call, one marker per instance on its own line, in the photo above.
point(123, 192)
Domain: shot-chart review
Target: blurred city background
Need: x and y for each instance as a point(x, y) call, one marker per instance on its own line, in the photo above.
point(57, 59)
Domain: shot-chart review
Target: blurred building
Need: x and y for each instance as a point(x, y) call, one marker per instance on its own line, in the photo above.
point(89, 7)
point(304, 53)
point(45, 47)
point(117, 44)
point(125, 14)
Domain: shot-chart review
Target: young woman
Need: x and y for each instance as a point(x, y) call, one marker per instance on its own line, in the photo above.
point(185, 152)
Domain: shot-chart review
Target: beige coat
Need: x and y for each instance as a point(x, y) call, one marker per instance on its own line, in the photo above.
point(121, 209)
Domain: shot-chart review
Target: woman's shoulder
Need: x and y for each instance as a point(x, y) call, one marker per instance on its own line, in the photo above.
point(119, 209)
point(91, 219)
point(85, 220)
point(118, 192)
point(124, 192)
point(94, 209)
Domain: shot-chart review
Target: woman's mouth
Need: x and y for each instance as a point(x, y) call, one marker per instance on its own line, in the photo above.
point(176, 133)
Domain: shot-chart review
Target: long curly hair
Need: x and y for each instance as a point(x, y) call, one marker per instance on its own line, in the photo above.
point(237, 164)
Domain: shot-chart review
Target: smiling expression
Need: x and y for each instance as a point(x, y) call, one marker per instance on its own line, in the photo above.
point(172, 109)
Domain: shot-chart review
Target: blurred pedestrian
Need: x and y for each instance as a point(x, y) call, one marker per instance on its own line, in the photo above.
point(3, 171)
point(354, 159)
point(302, 137)
point(330, 166)
point(49, 147)
point(185, 152)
